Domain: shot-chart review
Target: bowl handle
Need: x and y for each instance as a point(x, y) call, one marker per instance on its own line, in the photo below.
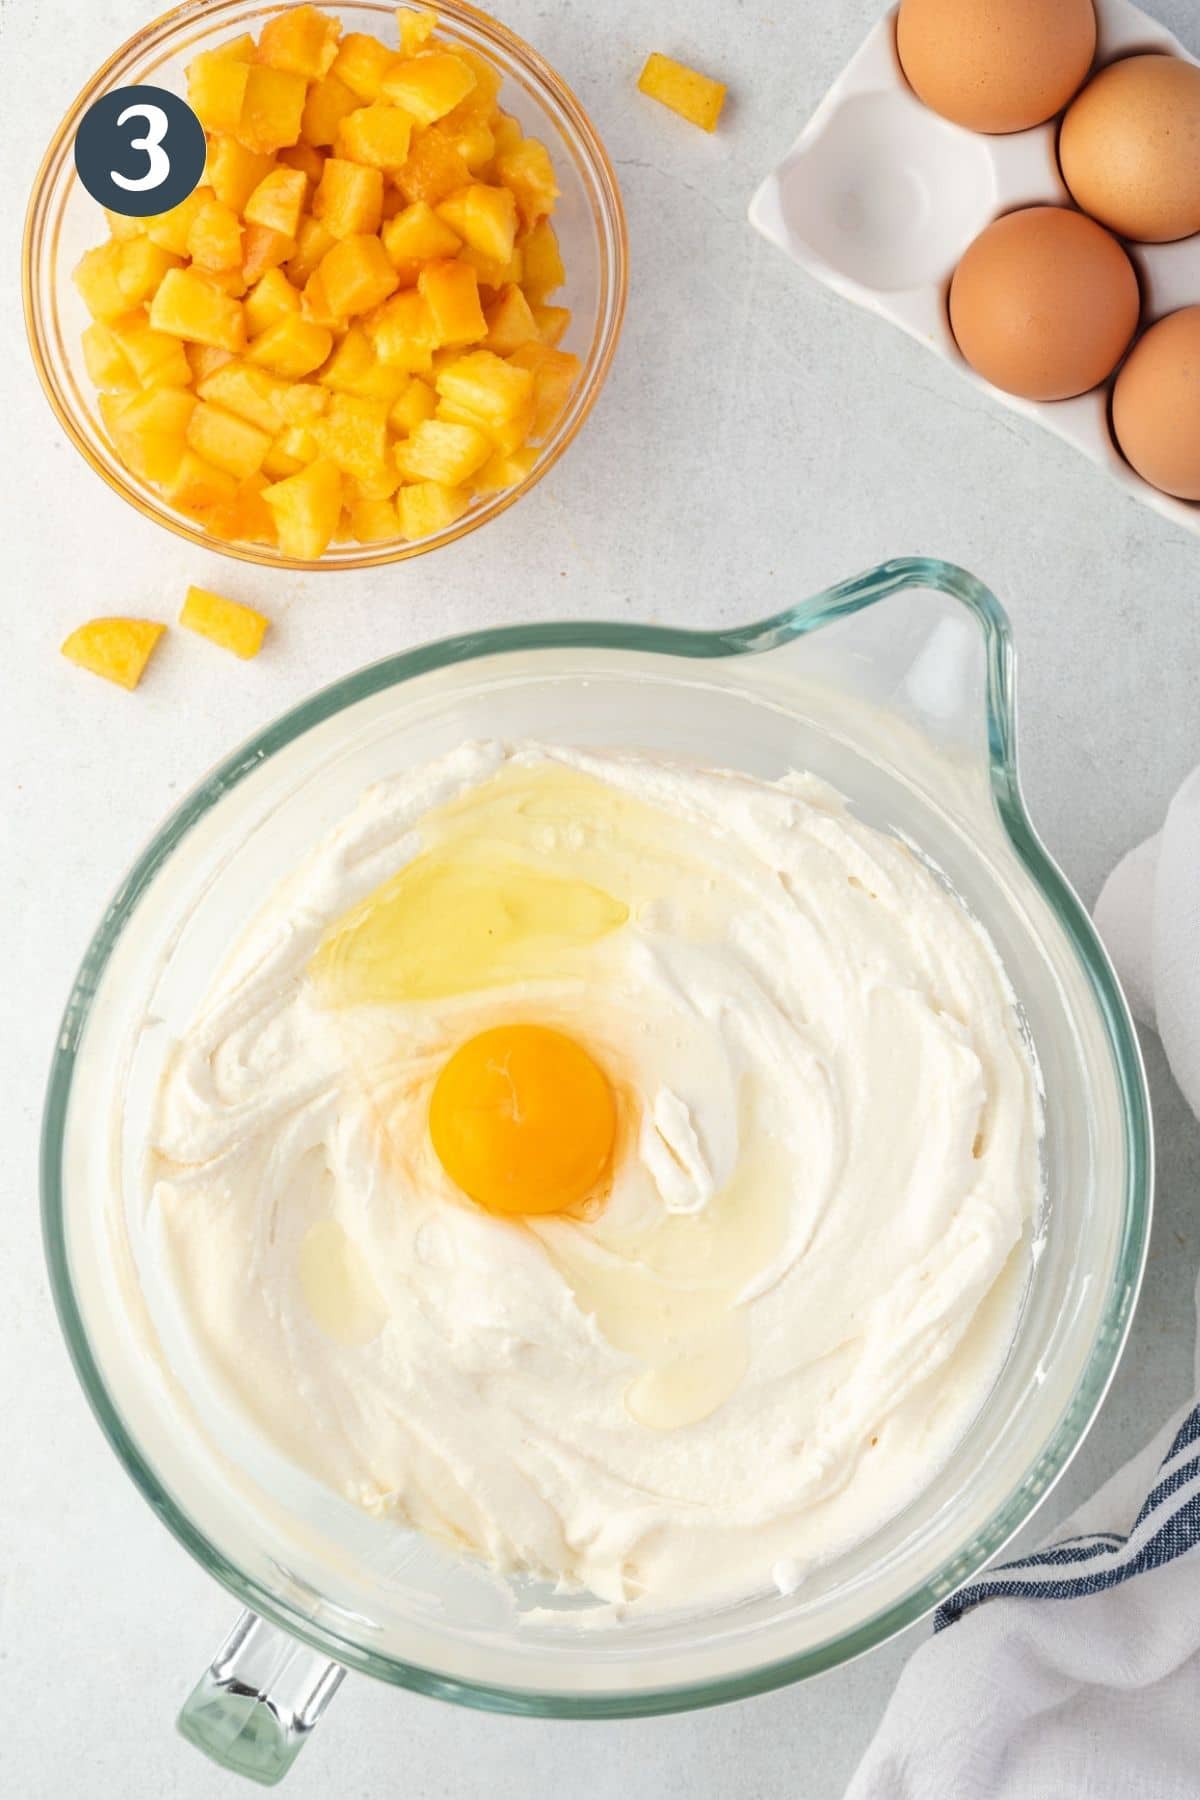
point(255, 1705)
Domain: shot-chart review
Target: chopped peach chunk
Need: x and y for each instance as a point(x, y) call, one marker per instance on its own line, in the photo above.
point(117, 649)
point(349, 200)
point(693, 96)
point(225, 622)
point(188, 307)
point(429, 85)
point(293, 347)
point(427, 507)
point(301, 40)
point(278, 201)
point(451, 292)
point(307, 507)
point(357, 275)
point(272, 108)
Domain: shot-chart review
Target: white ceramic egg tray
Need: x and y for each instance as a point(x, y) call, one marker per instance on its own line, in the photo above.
point(879, 197)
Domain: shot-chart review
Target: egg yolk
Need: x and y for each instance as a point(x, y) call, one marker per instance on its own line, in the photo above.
point(523, 1120)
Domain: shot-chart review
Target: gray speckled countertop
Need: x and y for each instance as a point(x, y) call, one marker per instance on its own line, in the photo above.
point(758, 439)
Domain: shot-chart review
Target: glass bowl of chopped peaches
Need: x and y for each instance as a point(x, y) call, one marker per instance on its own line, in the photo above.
point(381, 317)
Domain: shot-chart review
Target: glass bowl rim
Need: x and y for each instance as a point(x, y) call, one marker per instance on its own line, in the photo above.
point(614, 250)
point(793, 622)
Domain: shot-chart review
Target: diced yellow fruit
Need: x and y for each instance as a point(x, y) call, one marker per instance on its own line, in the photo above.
point(215, 237)
point(354, 368)
point(157, 360)
point(315, 304)
point(313, 239)
point(357, 275)
point(378, 135)
point(440, 451)
point(484, 217)
point(226, 441)
point(527, 170)
point(542, 265)
point(415, 236)
point(278, 201)
point(434, 168)
point(204, 359)
point(278, 463)
point(293, 347)
point(309, 161)
point(302, 40)
point(234, 172)
point(297, 441)
point(402, 332)
point(473, 140)
point(429, 85)
point(188, 307)
point(488, 81)
point(450, 290)
point(141, 265)
point(507, 132)
point(95, 276)
point(381, 484)
point(217, 89)
point(271, 109)
point(170, 229)
point(301, 402)
point(361, 64)
point(117, 649)
point(226, 281)
point(417, 402)
point(373, 521)
point(354, 435)
point(327, 104)
point(554, 373)
point(693, 96)
point(505, 438)
point(306, 508)
point(270, 299)
point(552, 323)
point(148, 431)
point(242, 515)
point(263, 250)
point(416, 27)
point(501, 471)
point(349, 200)
point(104, 360)
point(124, 228)
point(252, 393)
point(240, 49)
point(482, 384)
point(393, 202)
point(429, 507)
point(225, 622)
point(197, 483)
point(493, 275)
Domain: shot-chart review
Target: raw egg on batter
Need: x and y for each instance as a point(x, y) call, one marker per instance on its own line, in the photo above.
point(523, 1120)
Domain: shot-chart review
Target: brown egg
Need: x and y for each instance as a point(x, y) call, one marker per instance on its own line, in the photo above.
point(1130, 148)
point(1156, 405)
point(1043, 303)
point(996, 65)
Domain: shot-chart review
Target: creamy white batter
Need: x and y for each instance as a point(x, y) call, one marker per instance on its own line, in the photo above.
point(772, 1327)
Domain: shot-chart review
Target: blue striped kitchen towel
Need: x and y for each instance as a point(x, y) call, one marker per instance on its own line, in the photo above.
point(1074, 1673)
point(1167, 1526)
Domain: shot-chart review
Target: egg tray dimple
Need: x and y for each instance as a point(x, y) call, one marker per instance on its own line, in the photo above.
point(879, 197)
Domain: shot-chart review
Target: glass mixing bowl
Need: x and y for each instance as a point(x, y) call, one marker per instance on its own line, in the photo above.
point(898, 688)
point(63, 221)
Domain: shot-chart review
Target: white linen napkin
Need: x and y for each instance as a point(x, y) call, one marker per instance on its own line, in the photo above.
point(1074, 1674)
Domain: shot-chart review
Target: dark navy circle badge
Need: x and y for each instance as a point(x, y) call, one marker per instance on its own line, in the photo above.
point(140, 150)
